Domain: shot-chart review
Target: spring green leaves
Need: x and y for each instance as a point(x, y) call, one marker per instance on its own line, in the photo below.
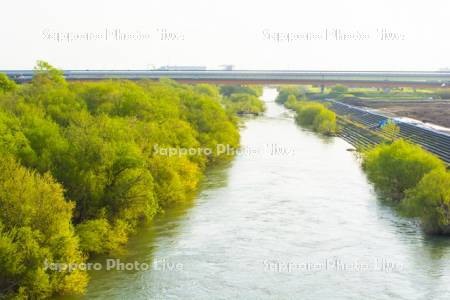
point(78, 172)
point(414, 178)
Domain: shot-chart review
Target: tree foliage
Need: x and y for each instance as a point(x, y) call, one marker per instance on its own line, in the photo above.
point(291, 102)
point(430, 201)
point(242, 99)
point(310, 114)
point(228, 90)
point(6, 85)
point(244, 104)
point(82, 153)
point(398, 167)
point(316, 116)
point(284, 92)
point(339, 89)
point(35, 226)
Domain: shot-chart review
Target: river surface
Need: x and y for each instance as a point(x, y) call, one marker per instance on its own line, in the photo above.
point(291, 217)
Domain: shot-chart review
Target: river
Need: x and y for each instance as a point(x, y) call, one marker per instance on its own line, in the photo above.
point(291, 217)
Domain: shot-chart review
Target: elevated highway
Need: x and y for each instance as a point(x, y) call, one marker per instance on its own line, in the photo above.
point(322, 78)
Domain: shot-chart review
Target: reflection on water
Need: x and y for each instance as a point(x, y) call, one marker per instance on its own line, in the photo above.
point(282, 225)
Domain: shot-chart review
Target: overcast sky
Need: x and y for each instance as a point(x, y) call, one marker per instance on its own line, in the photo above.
point(278, 34)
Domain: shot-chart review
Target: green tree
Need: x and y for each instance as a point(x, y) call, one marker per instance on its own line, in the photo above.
point(45, 74)
point(285, 91)
point(307, 113)
point(316, 116)
point(228, 90)
point(97, 140)
point(6, 85)
point(211, 122)
point(44, 136)
point(397, 167)
point(244, 104)
point(291, 102)
point(12, 139)
point(35, 227)
point(208, 90)
point(325, 122)
point(339, 89)
point(430, 202)
point(99, 236)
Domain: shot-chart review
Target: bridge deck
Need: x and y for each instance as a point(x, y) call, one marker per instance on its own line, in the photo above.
point(366, 78)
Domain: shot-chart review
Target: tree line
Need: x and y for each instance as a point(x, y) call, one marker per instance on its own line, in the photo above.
point(309, 114)
point(78, 173)
point(242, 100)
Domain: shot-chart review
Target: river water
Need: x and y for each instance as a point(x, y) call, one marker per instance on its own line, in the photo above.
point(292, 217)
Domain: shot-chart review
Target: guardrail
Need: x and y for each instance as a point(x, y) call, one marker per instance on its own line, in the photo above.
point(385, 78)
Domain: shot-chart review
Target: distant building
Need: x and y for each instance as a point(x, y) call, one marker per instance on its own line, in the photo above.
point(227, 67)
point(182, 68)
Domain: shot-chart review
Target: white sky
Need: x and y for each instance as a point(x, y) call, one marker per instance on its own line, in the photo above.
point(226, 32)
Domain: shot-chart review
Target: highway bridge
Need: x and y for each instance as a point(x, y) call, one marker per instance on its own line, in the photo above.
point(321, 78)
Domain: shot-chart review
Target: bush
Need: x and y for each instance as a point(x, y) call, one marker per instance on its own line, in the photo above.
point(325, 122)
point(397, 167)
point(430, 202)
point(307, 112)
point(284, 92)
point(228, 90)
point(316, 116)
point(291, 102)
point(244, 104)
point(35, 227)
point(6, 85)
point(339, 89)
point(99, 236)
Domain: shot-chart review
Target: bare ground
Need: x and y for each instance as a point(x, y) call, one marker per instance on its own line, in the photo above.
point(428, 111)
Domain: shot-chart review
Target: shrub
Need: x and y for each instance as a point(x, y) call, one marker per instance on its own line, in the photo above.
point(244, 104)
point(316, 116)
point(397, 167)
point(285, 91)
point(6, 85)
point(430, 202)
point(99, 236)
point(325, 122)
point(339, 89)
point(307, 112)
point(228, 90)
point(35, 227)
point(291, 102)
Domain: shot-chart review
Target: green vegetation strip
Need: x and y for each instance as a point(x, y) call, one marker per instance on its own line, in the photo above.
point(313, 115)
point(242, 100)
point(413, 178)
point(83, 164)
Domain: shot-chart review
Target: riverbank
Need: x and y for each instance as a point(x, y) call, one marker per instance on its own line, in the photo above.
point(79, 173)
